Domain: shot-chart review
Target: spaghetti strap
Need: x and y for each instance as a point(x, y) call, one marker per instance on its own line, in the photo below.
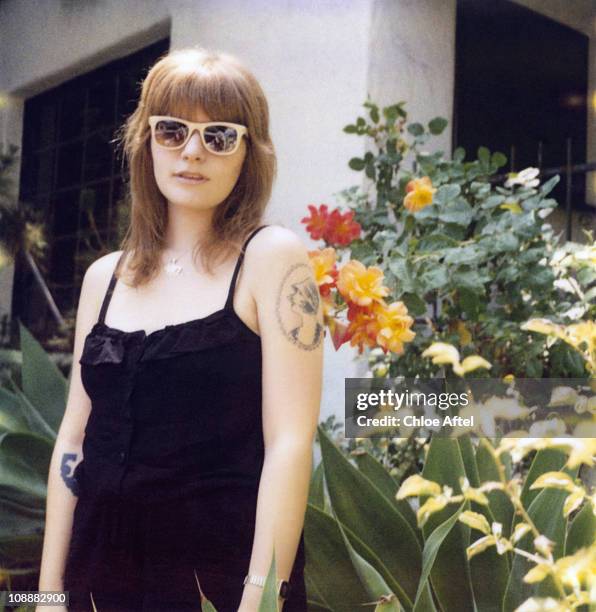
point(230, 300)
point(110, 290)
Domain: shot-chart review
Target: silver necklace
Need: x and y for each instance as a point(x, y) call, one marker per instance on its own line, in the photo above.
point(172, 267)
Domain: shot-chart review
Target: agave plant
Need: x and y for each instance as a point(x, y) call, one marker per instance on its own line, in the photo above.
point(31, 410)
point(366, 544)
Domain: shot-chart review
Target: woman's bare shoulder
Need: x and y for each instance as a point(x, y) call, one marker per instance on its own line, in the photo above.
point(271, 253)
point(100, 271)
point(97, 278)
point(274, 239)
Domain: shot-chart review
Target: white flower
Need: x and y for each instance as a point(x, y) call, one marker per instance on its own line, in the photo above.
point(547, 429)
point(543, 213)
point(525, 178)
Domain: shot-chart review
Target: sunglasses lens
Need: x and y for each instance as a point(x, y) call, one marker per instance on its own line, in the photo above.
point(221, 138)
point(170, 133)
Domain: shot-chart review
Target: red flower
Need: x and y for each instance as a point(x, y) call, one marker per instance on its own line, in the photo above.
point(333, 227)
point(316, 224)
point(341, 228)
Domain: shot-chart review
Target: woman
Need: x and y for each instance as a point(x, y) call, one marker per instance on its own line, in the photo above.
point(196, 381)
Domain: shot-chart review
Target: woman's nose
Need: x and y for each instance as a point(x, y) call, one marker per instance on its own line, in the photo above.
point(194, 146)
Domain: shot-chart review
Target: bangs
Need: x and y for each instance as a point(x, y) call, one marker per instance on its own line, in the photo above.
point(181, 93)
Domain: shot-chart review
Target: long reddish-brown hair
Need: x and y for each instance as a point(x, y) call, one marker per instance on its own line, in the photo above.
point(177, 84)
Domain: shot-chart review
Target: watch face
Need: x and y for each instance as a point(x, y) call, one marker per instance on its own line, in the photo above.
point(284, 589)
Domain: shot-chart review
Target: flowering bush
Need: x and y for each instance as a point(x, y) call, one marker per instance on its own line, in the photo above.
point(468, 262)
point(440, 271)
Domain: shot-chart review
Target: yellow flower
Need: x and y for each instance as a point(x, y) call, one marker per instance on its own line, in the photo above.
point(464, 335)
point(441, 352)
point(322, 262)
point(514, 207)
point(416, 485)
point(361, 285)
point(420, 192)
point(394, 323)
point(577, 335)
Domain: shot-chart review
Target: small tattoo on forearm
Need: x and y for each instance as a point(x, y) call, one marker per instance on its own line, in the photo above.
point(297, 308)
point(67, 474)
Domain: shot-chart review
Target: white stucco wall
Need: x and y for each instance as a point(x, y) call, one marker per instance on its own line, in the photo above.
point(408, 64)
point(310, 57)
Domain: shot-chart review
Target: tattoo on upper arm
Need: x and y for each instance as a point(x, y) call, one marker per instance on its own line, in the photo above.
point(67, 475)
point(297, 308)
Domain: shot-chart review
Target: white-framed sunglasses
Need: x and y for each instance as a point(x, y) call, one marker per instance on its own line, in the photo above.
point(219, 137)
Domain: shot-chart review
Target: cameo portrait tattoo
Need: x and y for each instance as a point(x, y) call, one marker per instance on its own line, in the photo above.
point(67, 472)
point(298, 306)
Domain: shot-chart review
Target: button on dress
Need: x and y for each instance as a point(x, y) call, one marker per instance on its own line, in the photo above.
point(172, 456)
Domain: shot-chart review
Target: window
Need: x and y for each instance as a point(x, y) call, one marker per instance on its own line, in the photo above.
point(73, 175)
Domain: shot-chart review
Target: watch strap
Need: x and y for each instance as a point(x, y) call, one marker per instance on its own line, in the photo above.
point(283, 586)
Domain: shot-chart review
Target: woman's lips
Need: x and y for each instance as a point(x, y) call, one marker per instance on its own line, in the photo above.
point(191, 180)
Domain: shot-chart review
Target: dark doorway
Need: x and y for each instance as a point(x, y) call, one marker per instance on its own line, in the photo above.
point(521, 79)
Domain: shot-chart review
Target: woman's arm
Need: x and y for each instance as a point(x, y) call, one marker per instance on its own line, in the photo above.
point(67, 453)
point(291, 328)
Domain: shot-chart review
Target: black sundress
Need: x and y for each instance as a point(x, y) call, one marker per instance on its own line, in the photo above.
point(172, 457)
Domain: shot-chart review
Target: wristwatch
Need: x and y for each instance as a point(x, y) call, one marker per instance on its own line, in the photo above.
point(283, 586)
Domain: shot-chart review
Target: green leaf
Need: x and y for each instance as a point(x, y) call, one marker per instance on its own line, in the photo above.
point(359, 505)
point(370, 170)
point(433, 278)
point(498, 160)
point(492, 201)
point(25, 460)
point(547, 187)
point(356, 163)
point(446, 193)
point(268, 601)
point(416, 305)
point(582, 531)
point(471, 279)
point(416, 129)
point(505, 242)
point(484, 156)
point(436, 242)
point(449, 575)
point(329, 566)
point(364, 252)
point(430, 552)
point(350, 129)
point(21, 532)
point(316, 493)
point(437, 125)
point(373, 582)
point(464, 255)
point(467, 453)
point(386, 485)
point(546, 460)
point(469, 302)
point(459, 154)
point(489, 570)
point(498, 502)
point(402, 269)
point(13, 416)
point(43, 383)
point(457, 211)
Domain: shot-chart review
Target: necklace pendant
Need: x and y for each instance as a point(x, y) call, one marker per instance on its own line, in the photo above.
point(172, 268)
